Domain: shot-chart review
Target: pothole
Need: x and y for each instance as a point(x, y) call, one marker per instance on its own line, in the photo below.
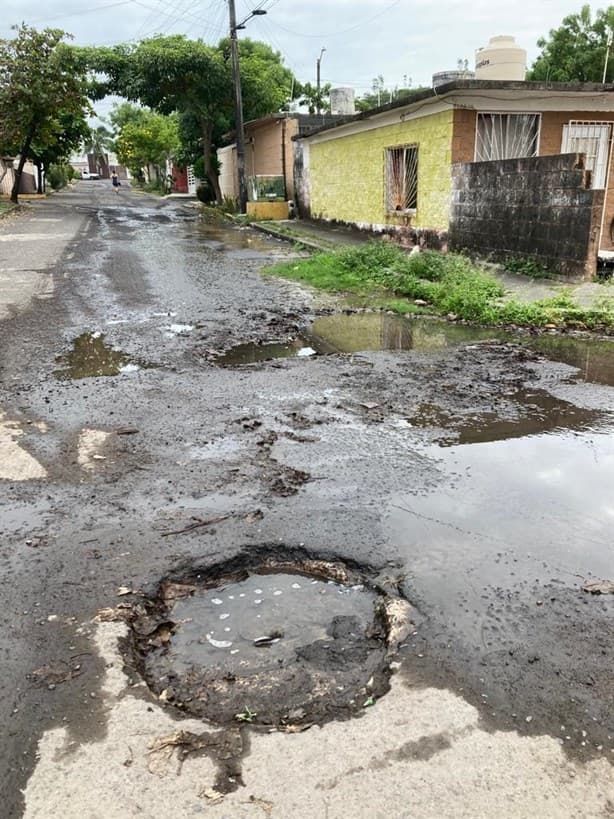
point(356, 332)
point(90, 357)
point(283, 643)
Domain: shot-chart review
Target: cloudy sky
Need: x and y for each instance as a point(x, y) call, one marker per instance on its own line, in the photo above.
point(403, 40)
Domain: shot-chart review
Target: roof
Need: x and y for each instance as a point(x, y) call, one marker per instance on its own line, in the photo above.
point(306, 122)
point(511, 89)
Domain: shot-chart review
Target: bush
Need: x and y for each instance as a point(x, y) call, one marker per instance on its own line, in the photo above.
point(57, 176)
point(204, 193)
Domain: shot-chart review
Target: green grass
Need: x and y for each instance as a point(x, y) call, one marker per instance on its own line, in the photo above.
point(380, 274)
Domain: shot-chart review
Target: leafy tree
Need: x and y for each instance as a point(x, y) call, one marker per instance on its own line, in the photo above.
point(381, 95)
point(315, 100)
point(174, 74)
point(148, 141)
point(576, 51)
point(43, 87)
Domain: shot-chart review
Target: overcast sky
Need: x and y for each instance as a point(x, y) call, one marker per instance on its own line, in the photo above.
point(363, 38)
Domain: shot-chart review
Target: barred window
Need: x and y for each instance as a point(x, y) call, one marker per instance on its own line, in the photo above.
point(506, 136)
point(402, 178)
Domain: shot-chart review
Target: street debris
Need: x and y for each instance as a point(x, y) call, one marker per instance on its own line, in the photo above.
point(113, 614)
point(127, 431)
point(600, 587)
point(52, 675)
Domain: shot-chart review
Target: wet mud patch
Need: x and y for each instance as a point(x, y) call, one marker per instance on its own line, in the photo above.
point(278, 642)
point(91, 357)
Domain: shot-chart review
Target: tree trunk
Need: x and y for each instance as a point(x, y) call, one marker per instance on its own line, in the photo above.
point(208, 165)
point(39, 169)
point(19, 171)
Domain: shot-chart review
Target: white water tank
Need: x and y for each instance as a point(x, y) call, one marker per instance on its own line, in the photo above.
point(342, 101)
point(502, 59)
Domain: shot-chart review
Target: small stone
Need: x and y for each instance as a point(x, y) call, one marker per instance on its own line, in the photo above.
point(528, 719)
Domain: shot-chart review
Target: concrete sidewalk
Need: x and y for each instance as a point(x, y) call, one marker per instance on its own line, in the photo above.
point(323, 237)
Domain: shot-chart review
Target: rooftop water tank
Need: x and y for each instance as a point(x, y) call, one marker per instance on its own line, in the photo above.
point(502, 59)
point(342, 101)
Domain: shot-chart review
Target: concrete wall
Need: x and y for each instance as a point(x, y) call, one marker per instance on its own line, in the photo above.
point(347, 174)
point(539, 208)
point(229, 184)
point(550, 139)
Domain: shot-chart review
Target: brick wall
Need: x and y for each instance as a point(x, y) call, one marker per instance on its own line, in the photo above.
point(539, 208)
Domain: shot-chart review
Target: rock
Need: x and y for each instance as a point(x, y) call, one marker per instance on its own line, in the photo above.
point(397, 616)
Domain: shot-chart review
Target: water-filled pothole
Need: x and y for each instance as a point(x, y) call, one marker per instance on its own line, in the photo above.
point(356, 332)
point(280, 644)
point(90, 357)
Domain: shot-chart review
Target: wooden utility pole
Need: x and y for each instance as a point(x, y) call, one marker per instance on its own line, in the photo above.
point(318, 99)
point(240, 136)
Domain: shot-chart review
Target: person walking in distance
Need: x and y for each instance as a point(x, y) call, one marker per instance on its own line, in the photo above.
point(115, 182)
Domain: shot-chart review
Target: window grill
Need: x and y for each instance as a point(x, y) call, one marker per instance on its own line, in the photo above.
point(590, 139)
point(402, 178)
point(506, 136)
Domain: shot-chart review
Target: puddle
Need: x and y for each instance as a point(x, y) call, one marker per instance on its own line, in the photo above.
point(594, 358)
point(236, 243)
point(358, 332)
point(91, 357)
point(266, 646)
point(538, 413)
point(219, 449)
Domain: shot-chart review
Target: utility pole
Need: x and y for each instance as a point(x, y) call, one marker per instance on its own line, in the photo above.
point(236, 80)
point(607, 54)
point(318, 99)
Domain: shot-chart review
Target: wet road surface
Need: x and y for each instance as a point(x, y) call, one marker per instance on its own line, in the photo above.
point(473, 469)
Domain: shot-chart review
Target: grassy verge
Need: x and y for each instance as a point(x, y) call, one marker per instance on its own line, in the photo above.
point(380, 274)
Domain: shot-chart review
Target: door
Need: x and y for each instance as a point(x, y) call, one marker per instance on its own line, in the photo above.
point(591, 139)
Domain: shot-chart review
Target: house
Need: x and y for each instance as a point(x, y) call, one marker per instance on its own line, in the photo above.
point(405, 167)
point(269, 156)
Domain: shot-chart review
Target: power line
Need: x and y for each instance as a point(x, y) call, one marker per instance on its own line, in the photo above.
point(331, 34)
point(79, 13)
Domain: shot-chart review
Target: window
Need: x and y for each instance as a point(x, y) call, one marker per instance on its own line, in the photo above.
point(506, 136)
point(401, 178)
point(591, 139)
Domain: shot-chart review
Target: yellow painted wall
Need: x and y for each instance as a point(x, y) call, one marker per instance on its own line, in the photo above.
point(348, 173)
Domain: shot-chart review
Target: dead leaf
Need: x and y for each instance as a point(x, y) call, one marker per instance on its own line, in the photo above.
point(173, 591)
point(126, 431)
point(112, 615)
point(54, 675)
point(600, 587)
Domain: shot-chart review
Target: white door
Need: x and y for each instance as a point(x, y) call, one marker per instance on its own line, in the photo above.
point(192, 180)
point(592, 139)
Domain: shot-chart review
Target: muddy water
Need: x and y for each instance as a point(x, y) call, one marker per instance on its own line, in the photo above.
point(594, 358)
point(341, 333)
point(222, 627)
point(90, 357)
point(526, 510)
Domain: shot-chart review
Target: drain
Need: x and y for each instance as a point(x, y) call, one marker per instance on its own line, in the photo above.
point(280, 644)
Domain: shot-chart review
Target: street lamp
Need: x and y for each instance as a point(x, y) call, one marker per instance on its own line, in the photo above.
point(318, 100)
point(236, 81)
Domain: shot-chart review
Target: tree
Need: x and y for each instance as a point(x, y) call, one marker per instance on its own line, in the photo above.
point(576, 51)
point(173, 73)
point(315, 100)
point(150, 140)
point(98, 142)
point(381, 95)
point(43, 88)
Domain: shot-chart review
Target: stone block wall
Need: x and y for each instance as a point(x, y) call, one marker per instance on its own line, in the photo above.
point(541, 208)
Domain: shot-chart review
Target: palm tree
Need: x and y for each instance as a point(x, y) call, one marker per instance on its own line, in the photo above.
point(98, 143)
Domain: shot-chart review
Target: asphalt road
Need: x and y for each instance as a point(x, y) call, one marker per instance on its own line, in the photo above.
point(473, 474)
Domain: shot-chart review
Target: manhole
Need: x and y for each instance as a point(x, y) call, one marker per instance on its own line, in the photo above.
point(280, 644)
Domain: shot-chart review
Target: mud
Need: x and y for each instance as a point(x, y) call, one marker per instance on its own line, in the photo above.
point(284, 642)
point(472, 473)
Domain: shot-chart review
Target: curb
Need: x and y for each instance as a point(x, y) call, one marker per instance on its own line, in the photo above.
point(310, 244)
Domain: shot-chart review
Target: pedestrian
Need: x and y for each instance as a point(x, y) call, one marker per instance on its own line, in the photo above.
point(115, 182)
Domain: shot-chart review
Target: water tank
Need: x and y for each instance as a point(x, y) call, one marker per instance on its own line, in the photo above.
point(442, 77)
point(342, 101)
point(502, 59)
